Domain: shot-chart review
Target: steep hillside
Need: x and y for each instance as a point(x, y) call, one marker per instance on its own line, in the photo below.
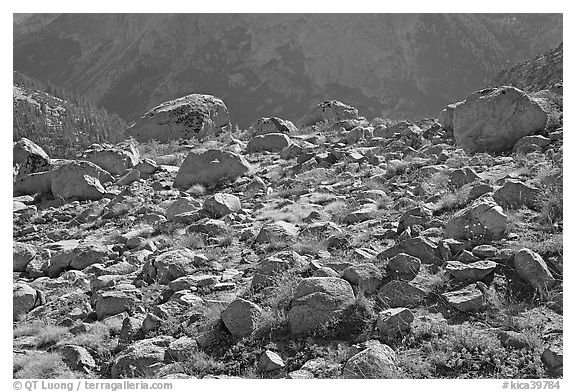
point(536, 74)
point(261, 65)
point(61, 123)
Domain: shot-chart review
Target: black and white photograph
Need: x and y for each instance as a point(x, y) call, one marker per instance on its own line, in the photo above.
point(286, 195)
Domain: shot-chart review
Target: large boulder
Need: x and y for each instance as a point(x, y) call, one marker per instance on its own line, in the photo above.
point(482, 221)
point(209, 168)
point(318, 301)
point(494, 119)
point(266, 125)
point(376, 361)
point(79, 179)
point(330, 111)
point(270, 142)
point(194, 115)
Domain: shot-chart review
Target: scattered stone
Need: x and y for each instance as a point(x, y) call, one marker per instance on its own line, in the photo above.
point(222, 204)
point(403, 266)
point(172, 264)
point(270, 362)
point(22, 254)
point(24, 299)
point(377, 361)
point(394, 322)
point(241, 317)
point(317, 301)
point(515, 194)
point(468, 299)
point(77, 358)
point(531, 267)
point(276, 232)
point(366, 276)
point(470, 272)
point(398, 293)
point(481, 222)
point(141, 359)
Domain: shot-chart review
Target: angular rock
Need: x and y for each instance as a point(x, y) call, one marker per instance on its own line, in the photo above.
point(463, 176)
point(468, 299)
point(77, 358)
point(481, 222)
point(420, 247)
point(117, 160)
point(330, 111)
point(209, 168)
point(394, 322)
point(24, 299)
point(266, 125)
point(377, 361)
point(397, 294)
point(22, 254)
point(79, 179)
point(29, 157)
point(515, 194)
point(279, 231)
point(181, 349)
point(494, 119)
point(531, 267)
point(270, 142)
point(187, 117)
point(241, 317)
point(415, 216)
point(180, 206)
point(73, 255)
point(222, 204)
point(171, 265)
point(114, 302)
point(472, 272)
point(270, 362)
point(35, 183)
point(366, 276)
point(141, 359)
point(317, 301)
point(403, 266)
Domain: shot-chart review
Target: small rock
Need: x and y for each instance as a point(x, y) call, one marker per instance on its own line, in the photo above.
point(395, 322)
point(269, 362)
point(241, 317)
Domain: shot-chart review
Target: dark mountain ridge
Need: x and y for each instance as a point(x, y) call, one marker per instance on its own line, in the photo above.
point(387, 65)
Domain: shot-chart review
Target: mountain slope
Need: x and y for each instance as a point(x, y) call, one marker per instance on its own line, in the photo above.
point(536, 74)
point(61, 123)
point(401, 65)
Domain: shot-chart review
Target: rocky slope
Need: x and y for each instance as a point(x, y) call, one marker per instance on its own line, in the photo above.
point(344, 249)
point(540, 73)
point(63, 124)
point(394, 66)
